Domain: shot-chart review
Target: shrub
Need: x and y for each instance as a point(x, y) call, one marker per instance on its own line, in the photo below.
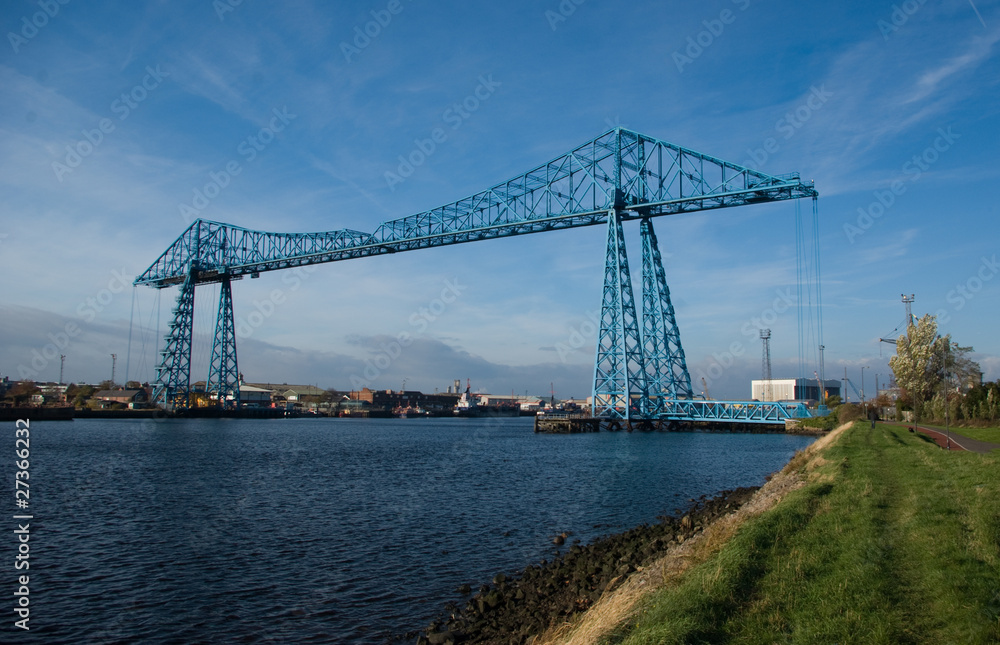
point(849, 412)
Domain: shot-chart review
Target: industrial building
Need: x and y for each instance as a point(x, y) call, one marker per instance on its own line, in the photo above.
point(792, 389)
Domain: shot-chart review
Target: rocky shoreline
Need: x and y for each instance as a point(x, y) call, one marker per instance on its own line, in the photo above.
point(515, 609)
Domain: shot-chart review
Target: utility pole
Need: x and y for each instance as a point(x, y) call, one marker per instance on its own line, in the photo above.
point(863, 368)
point(62, 364)
point(114, 359)
point(847, 398)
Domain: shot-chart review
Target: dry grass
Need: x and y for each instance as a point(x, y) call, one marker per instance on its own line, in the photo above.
point(618, 605)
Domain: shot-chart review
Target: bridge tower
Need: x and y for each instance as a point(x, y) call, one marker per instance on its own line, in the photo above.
point(620, 389)
point(173, 374)
point(667, 374)
point(223, 372)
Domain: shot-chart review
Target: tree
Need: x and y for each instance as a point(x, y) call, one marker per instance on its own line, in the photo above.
point(21, 393)
point(80, 395)
point(924, 360)
point(914, 363)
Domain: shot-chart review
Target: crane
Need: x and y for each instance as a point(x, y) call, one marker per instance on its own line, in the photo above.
point(907, 302)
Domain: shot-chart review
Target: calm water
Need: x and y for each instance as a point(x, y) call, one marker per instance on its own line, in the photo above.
point(325, 530)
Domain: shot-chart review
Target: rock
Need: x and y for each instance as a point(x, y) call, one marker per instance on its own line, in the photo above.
point(465, 589)
point(518, 607)
point(441, 638)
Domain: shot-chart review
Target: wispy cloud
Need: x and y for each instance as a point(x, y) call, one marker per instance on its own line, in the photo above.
point(931, 81)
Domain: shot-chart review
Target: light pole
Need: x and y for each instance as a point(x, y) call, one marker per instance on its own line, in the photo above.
point(947, 426)
point(863, 383)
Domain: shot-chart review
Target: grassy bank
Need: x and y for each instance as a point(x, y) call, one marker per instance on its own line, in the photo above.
point(891, 540)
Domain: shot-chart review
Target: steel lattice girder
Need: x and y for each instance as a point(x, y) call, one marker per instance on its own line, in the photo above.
point(223, 372)
point(619, 371)
point(742, 411)
point(667, 375)
point(620, 170)
point(173, 374)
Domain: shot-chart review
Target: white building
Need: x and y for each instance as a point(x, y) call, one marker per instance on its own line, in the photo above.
point(792, 389)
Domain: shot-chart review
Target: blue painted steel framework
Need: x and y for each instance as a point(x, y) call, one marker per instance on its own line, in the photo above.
point(666, 369)
point(735, 411)
point(173, 374)
point(620, 385)
point(223, 382)
point(616, 177)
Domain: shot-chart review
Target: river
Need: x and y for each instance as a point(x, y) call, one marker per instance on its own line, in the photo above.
point(326, 530)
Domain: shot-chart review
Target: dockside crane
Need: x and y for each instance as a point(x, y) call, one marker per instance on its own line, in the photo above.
point(907, 302)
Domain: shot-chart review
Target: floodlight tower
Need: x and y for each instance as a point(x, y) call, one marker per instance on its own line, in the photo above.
point(765, 364)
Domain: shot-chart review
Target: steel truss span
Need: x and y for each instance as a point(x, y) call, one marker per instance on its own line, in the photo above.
point(619, 176)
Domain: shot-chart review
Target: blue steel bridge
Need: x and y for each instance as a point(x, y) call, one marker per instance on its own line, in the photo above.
point(640, 373)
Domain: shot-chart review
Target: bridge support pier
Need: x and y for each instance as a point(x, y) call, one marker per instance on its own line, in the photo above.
point(173, 375)
point(223, 372)
point(666, 368)
point(637, 369)
point(619, 371)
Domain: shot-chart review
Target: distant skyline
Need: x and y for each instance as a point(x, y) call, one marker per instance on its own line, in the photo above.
point(122, 123)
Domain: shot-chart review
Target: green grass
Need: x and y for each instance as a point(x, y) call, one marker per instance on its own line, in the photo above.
point(892, 541)
point(982, 434)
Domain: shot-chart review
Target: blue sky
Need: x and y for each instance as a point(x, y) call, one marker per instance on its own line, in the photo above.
point(115, 116)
